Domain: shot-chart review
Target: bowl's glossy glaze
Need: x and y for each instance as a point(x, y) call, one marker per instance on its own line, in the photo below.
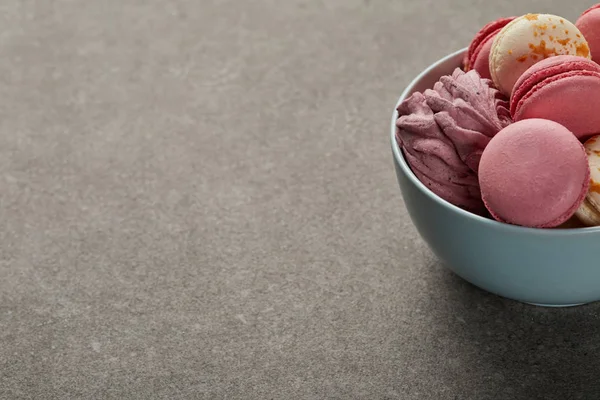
point(553, 267)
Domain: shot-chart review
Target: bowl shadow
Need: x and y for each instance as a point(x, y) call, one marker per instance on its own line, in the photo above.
point(522, 351)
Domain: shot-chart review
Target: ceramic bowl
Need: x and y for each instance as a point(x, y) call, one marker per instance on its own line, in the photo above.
point(550, 267)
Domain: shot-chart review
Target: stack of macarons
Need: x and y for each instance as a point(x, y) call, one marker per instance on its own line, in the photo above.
point(540, 166)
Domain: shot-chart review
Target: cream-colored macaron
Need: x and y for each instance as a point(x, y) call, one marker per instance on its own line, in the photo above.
point(529, 39)
point(589, 211)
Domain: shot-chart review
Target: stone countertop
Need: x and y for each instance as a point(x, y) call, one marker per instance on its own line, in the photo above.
point(197, 200)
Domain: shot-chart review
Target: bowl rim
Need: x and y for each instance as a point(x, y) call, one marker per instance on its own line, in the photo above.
point(400, 160)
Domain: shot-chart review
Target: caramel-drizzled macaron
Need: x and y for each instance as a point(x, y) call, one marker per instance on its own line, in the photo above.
point(589, 211)
point(529, 39)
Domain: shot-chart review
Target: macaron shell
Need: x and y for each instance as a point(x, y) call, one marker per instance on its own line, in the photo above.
point(478, 53)
point(529, 39)
point(544, 69)
point(589, 25)
point(481, 62)
point(570, 99)
point(490, 29)
point(589, 211)
point(592, 8)
point(534, 173)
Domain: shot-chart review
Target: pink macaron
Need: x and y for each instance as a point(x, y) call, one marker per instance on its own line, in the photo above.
point(534, 173)
point(589, 25)
point(478, 54)
point(564, 89)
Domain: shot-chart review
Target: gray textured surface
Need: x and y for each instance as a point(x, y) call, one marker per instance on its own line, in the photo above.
point(197, 200)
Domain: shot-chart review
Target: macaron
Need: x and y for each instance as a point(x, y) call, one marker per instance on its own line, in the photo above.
point(529, 39)
point(589, 211)
point(564, 89)
point(478, 54)
point(534, 173)
point(589, 25)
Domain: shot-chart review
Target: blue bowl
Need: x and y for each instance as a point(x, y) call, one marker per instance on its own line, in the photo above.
point(550, 267)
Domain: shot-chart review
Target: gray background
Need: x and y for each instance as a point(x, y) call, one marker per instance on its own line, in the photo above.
point(197, 200)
